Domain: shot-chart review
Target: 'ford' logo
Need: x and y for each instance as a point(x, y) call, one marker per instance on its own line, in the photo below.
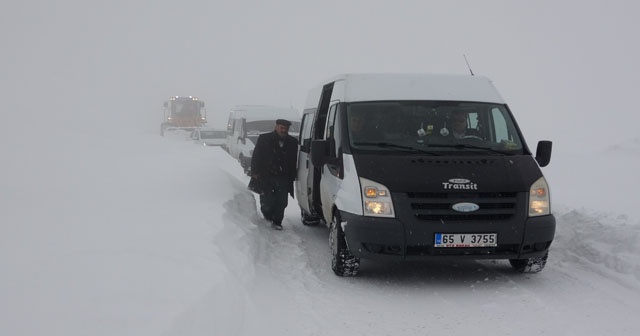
point(465, 207)
point(459, 180)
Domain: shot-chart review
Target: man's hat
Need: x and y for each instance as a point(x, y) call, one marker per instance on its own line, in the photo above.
point(283, 122)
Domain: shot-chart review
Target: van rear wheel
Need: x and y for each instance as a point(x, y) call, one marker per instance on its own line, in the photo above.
point(343, 263)
point(530, 265)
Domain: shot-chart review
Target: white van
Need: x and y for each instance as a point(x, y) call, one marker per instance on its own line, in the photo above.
point(441, 170)
point(207, 136)
point(247, 122)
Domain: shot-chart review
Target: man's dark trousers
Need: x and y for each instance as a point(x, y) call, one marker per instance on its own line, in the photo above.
point(274, 198)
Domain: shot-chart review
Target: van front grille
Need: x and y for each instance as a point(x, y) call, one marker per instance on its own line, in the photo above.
point(438, 206)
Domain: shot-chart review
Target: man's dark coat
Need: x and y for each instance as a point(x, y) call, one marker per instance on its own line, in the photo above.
point(269, 159)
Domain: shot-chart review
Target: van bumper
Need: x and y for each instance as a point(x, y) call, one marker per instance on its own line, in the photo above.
point(413, 239)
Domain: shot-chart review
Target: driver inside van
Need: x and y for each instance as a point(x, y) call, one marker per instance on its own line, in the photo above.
point(459, 126)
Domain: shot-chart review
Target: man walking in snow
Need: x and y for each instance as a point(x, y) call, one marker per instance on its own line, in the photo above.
point(273, 168)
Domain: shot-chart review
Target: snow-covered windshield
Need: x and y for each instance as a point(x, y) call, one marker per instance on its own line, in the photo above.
point(432, 125)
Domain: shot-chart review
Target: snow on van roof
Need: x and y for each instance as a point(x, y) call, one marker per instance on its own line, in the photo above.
point(265, 112)
point(377, 87)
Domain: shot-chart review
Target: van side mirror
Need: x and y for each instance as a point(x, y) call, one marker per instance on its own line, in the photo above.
point(543, 152)
point(318, 152)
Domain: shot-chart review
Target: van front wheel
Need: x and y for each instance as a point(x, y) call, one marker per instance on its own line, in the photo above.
point(529, 265)
point(343, 263)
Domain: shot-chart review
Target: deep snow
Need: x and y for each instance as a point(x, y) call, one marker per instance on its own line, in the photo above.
point(108, 229)
point(136, 234)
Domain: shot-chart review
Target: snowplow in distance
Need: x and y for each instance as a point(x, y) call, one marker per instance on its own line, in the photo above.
point(183, 113)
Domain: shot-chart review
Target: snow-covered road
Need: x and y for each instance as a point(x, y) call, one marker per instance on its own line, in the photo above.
point(157, 236)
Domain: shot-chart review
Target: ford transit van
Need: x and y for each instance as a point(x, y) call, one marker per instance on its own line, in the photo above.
point(416, 166)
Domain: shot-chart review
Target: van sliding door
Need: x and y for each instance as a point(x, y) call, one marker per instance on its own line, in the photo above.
point(315, 173)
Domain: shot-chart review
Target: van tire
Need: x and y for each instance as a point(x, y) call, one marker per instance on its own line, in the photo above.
point(343, 263)
point(530, 265)
point(309, 220)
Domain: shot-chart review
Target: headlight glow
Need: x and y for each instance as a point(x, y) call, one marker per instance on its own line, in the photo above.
point(377, 208)
point(376, 199)
point(370, 192)
point(539, 203)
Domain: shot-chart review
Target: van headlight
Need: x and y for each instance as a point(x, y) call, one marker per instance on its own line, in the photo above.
point(376, 199)
point(539, 204)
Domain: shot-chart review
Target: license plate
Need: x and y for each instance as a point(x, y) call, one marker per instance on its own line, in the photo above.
point(466, 240)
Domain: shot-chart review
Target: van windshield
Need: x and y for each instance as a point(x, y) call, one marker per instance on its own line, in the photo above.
point(436, 126)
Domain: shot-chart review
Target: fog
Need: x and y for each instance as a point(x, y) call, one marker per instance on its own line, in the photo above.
point(82, 85)
point(112, 64)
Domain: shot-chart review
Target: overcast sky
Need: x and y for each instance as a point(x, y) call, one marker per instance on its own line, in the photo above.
point(112, 64)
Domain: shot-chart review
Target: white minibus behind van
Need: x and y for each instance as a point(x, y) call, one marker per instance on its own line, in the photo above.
point(247, 122)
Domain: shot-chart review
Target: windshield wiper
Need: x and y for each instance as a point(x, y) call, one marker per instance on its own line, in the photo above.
point(463, 146)
point(392, 145)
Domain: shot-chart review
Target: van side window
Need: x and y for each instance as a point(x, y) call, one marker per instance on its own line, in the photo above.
point(337, 130)
point(330, 121)
point(332, 136)
point(330, 130)
point(500, 126)
point(305, 134)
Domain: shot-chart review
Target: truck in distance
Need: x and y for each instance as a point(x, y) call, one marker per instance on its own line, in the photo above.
point(183, 113)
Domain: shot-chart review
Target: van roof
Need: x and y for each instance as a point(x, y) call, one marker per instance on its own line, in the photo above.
point(380, 87)
point(264, 112)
